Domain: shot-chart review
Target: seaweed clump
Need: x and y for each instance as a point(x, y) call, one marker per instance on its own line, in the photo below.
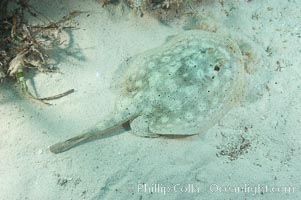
point(24, 46)
point(163, 9)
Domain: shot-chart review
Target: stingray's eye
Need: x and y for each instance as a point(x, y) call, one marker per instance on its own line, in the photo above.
point(216, 68)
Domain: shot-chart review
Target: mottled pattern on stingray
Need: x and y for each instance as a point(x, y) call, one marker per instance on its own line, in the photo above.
point(184, 86)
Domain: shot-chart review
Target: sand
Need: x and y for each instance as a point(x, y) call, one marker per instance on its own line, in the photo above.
point(257, 144)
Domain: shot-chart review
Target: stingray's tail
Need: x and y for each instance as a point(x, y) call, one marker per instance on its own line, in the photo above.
point(100, 129)
point(68, 144)
point(83, 138)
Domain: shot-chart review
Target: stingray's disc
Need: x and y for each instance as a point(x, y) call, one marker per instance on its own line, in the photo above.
point(186, 85)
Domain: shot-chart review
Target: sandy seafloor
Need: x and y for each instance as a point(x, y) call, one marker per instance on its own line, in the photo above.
point(113, 167)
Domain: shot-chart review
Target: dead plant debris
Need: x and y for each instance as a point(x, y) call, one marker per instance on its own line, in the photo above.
point(234, 149)
point(165, 10)
point(24, 46)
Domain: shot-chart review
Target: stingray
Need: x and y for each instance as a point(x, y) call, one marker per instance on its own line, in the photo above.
point(180, 88)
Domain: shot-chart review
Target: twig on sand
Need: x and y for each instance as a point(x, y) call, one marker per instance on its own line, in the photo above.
point(57, 96)
point(24, 46)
